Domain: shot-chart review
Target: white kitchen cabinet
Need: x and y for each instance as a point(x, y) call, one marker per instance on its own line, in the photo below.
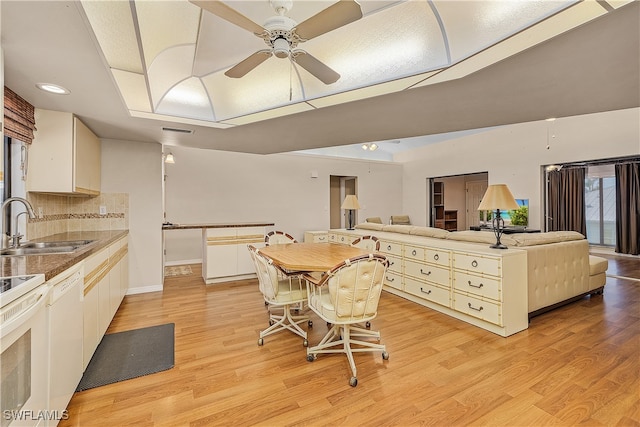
point(105, 284)
point(64, 157)
point(225, 255)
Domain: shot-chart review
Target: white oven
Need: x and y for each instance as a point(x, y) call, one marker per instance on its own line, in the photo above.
point(23, 351)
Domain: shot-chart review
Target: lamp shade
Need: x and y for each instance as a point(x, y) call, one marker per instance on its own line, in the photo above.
point(498, 196)
point(350, 202)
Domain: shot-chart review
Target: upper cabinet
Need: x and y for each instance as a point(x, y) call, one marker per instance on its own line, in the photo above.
point(64, 156)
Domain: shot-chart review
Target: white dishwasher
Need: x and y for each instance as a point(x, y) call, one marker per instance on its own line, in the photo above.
point(64, 312)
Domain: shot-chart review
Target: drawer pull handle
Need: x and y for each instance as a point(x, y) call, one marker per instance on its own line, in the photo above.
point(342, 238)
point(321, 238)
point(425, 292)
point(428, 273)
point(390, 279)
point(388, 247)
point(474, 286)
point(436, 257)
point(391, 263)
point(413, 252)
point(476, 309)
point(474, 263)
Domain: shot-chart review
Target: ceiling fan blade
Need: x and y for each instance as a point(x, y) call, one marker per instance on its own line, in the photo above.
point(335, 16)
point(322, 72)
point(248, 64)
point(229, 14)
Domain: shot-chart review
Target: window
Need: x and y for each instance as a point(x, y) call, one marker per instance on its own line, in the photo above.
point(600, 204)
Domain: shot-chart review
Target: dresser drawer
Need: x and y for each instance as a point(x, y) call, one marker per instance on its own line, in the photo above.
point(478, 308)
point(392, 248)
point(316, 237)
point(395, 263)
point(428, 272)
point(414, 252)
point(427, 291)
point(483, 286)
point(393, 279)
point(436, 256)
point(477, 263)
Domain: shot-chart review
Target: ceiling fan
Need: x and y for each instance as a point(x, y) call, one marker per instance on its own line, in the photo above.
point(282, 34)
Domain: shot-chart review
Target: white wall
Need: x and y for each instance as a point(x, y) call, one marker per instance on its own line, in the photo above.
point(206, 186)
point(136, 168)
point(514, 155)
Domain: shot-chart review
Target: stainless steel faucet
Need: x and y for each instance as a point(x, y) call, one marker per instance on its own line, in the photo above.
point(6, 231)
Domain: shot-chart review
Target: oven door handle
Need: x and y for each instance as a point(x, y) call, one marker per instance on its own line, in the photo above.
point(18, 319)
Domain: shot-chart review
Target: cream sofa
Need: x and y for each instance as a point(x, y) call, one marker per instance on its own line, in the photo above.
point(559, 267)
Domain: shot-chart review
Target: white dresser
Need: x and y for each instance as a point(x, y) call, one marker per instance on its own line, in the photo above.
point(471, 282)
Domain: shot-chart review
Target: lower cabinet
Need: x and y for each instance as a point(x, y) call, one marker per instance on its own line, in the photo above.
point(224, 252)
point(105, 283)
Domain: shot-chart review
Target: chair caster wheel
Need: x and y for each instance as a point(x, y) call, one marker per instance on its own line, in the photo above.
point(310, 357)
point(310, 323)
point(260, 341)
point(385, 355)
point(368, 325)
point(353, 382)
point(305, 343)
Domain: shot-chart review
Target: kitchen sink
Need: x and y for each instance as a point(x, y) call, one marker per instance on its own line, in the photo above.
point(45, 248)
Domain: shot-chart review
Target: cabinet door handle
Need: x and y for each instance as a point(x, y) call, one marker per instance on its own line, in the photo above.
point(388, 247)
point(390, 279)
point(436, 257)
point(391, 263)
point(474, 286)
point(342, 239)
point(428, 273)
point(413, 252)
point(474, 263)
point(476, 309)
point(425, 292)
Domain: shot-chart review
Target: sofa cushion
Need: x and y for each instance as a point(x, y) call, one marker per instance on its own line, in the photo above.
point(532, 239)
point(597, 265)
point(429, 232)
point(370, 226)
point(404, 229)
point(480, 237)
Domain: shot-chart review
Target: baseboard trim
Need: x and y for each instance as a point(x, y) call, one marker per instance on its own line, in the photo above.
point(144, 289)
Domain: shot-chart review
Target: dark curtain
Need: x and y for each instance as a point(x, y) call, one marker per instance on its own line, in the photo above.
point(628, 208)
point(566, 200)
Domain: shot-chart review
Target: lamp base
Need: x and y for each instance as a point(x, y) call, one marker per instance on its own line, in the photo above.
point(498, 246)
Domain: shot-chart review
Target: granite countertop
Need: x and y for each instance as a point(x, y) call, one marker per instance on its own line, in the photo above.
point(54, 264)
point(170, 226)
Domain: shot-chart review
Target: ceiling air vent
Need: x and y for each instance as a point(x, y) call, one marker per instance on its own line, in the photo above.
point(178, 130)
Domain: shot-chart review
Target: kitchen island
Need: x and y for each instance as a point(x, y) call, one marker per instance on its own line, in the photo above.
point(224, 248)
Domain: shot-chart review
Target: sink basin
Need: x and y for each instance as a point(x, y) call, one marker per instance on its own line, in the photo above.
point(46, 248)
point(59, 244)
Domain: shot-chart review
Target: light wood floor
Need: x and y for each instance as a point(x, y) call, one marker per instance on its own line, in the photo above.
point(575, 365)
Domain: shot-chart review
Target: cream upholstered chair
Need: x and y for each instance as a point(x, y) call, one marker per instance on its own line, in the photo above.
point(346, 295)
point(400, 219)
point(279, 293)
point(278, 237)
point(374, 219)
point(370, 243)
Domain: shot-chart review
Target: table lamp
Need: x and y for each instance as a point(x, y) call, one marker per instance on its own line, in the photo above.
point(497, 197)
point(350, 203)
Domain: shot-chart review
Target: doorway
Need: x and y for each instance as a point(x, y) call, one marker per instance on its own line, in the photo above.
point(454, 205)
point(339, 188)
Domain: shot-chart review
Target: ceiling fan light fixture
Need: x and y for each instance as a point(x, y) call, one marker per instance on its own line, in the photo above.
point(281, 48)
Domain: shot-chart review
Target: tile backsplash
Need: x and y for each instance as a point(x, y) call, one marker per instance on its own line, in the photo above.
point(61, 213)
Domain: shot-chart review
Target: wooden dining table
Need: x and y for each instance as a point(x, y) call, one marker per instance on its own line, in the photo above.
point(310, 257)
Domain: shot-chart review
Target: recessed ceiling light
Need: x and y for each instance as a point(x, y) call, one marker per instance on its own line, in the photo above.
point(51, 88)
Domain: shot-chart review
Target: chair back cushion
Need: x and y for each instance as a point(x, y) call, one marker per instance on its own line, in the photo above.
point(374, 219)
point(355, 287)
point(369, 243)
point(267, 277)
point(400, 219)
